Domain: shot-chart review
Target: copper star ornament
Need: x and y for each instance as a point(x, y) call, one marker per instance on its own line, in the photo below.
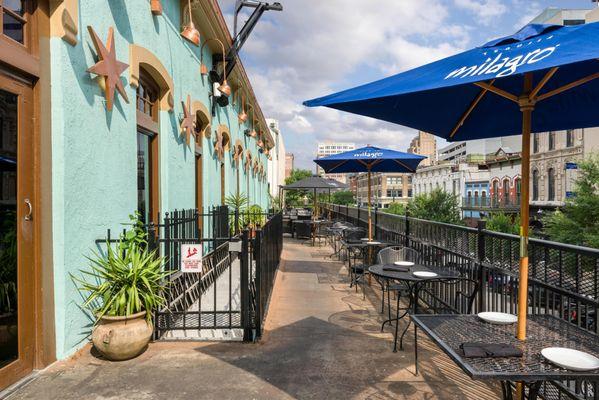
point(248, 161)
point(218, 145)
point(108, 67)
point(187, 122)
point(237, 153)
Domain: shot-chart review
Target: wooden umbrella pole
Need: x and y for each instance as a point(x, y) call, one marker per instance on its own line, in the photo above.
point(369, 202)
point(527, 107)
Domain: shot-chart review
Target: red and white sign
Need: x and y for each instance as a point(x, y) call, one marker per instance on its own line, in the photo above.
point(191, 258)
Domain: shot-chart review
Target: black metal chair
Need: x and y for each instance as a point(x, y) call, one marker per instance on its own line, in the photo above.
point(302, 230)
point(321, 232)
point(389, 256)
point(465, 291)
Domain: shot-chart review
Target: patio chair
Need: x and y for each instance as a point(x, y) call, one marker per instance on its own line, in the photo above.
point(465, 290)
point(302, 230)
point(464, 293)
point(322, 232)
point(390, 255)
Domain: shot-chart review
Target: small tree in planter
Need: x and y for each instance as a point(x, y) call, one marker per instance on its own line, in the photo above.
point(238, 203)
point(122, 289)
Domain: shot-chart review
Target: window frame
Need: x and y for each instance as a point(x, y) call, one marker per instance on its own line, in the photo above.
point(150, 125)
point(551, 184)
point(535, 185)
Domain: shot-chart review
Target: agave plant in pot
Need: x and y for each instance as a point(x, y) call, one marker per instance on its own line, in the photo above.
point(123, 288)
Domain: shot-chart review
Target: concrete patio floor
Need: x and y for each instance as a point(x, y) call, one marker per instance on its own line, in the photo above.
point(321, 341)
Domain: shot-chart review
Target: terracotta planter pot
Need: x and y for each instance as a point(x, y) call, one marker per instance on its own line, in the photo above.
point(122, 338)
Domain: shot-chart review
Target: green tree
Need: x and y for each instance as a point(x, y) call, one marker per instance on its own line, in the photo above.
point(438, 205)
point(578, 221)
point(343, 197)
point(294, 197)
point(502, 222)
point(396, 208)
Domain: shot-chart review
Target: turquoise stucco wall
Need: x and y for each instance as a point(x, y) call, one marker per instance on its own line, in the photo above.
point(94, 151)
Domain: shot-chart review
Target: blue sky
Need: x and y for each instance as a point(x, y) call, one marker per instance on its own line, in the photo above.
point(315, 47)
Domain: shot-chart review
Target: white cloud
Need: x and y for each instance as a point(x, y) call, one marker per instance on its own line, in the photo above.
point(485, 10)
point(316, 47)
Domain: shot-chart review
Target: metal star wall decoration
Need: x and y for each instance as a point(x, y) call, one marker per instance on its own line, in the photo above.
point(218, 145)
point(108, 67)
point(237, 153)
point(187, 122)
point(248, 161)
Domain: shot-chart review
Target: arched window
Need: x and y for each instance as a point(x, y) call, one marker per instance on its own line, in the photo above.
point(495, 198)
point(483, 198)
point(147, 147)
point(476, 198)
point(518, 187)
point(551, 140)
point(506, 191)
point(202, 129)
point(535, 185)
point(570, 138)
point(551, 184)
point(535, 142)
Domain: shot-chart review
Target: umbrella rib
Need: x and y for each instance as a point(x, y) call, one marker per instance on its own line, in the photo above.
point(473, 105)
point(338, 165)
point(404, 165)
point(497, 91)
point(542, 83)
point(569, 86)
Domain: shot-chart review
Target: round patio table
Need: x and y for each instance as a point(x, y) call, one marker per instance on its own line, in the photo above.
point(387, 272)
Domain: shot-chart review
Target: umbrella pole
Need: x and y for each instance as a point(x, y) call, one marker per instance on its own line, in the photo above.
point(527, 107)
point(369, 202)
point(314, 218)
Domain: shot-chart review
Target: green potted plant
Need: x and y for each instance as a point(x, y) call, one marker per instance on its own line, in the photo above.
point(237, 202)
point(254, 218)
point(122, 289)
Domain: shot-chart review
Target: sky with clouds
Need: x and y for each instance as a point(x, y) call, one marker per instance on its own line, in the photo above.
point(315, 47)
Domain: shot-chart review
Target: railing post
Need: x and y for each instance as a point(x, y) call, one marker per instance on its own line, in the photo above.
point(480, 258)
point(236, 229)
point(246, 322)
point(358, 222)
point(346, 212)
point(407, 232)
point(376, 221)
point(258, 276)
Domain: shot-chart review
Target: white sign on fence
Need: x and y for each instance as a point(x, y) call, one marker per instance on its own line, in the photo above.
point(191, 258)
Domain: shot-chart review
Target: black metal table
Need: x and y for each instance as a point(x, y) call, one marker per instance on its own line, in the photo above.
point(412, 284)
point(450, 331)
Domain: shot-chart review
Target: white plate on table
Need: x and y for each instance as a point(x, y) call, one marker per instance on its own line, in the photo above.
point(365, 239)
point(498, 318)
point(373, 242)
point(424, 274)
point(404, 263)
point(571, 359)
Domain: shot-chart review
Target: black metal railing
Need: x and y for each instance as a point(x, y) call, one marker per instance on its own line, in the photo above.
point(234, 285)
point(563, 281)
point(261, 256)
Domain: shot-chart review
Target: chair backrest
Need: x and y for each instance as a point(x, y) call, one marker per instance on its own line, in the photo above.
point(354, 234)
point(465, 294)
point(398, 253)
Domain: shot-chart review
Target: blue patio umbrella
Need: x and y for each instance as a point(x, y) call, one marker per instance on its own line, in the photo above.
point(492, 91)
point(370, 159)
